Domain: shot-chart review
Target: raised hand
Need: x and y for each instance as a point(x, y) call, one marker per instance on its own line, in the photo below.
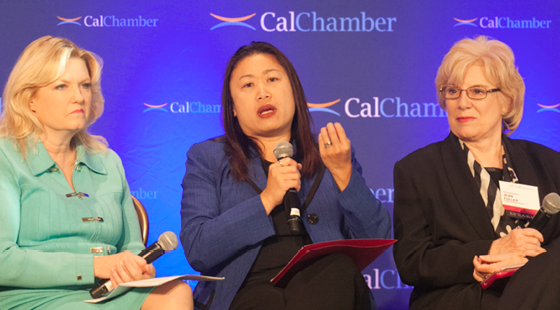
point(336, 153)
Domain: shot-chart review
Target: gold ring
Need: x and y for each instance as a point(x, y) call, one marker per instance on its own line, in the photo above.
point(328, 144)
point(280, 162)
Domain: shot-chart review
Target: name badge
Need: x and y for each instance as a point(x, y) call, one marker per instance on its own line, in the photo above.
point(520, 200)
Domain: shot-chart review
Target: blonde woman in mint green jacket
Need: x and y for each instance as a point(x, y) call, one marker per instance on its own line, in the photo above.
point(66, 214)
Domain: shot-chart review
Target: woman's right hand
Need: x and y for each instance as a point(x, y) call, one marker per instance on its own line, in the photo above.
point(280, 179)
point(525, 242)
point(122, 267)
point(486, 265)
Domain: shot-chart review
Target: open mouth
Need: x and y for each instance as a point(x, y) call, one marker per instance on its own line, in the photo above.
point(266, 110)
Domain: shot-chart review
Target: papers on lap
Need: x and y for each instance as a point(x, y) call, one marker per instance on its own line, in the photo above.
point(362, 251)
point(125, 287)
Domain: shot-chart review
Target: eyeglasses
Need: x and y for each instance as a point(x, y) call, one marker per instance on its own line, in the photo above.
point(475, 92)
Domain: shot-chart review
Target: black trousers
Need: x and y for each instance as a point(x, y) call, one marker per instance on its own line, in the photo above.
point(333, 282)
point(537, 284)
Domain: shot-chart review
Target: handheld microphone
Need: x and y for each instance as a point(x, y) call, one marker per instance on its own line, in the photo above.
point(291, 201)
point(550, 206)
point(167, 242)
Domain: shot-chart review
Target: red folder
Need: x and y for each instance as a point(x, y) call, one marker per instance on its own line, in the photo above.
point(361, 251)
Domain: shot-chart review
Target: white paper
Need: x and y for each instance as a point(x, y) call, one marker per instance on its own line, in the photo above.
point(125, 287)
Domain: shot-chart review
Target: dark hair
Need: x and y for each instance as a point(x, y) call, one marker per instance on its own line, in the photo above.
point(239, 147)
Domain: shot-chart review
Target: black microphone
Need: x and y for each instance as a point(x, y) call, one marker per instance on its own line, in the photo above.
point(291, 201)
point(550, 206)
point(167, 242)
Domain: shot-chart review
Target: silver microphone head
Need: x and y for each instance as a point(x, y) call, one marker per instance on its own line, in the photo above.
point(551, 203)
point(283, 149)
point(168, 241)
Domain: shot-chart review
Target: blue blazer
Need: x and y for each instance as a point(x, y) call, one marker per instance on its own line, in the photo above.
point(224, 221)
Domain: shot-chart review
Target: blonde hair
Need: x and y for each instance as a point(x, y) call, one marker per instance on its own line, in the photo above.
point(41, 63)
point(499, 64)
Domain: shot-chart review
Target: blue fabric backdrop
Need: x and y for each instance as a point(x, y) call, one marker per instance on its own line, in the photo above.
point(371, 64)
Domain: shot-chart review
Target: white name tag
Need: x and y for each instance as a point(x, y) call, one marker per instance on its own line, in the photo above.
point(520, 200)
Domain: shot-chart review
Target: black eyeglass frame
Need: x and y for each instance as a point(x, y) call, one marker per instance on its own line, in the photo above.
point(465, 90)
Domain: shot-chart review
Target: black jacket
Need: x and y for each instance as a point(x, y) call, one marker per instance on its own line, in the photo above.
point(441, 222)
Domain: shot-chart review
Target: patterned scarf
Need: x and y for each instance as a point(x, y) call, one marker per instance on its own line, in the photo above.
point(490, 191)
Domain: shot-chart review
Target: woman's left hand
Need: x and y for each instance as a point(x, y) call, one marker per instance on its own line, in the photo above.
point(129, 270)
point(336, 153)
point(486, 265)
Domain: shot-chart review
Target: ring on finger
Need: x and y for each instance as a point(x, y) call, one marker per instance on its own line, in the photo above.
point(328, 144)
point(280, 162)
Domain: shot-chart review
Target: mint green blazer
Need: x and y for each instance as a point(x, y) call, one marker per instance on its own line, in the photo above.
point(49, 234)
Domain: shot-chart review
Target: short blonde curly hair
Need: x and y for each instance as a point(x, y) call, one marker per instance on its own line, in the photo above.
point(499, 62)
point(41, 63)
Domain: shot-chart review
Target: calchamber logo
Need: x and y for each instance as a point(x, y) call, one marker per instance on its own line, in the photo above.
point(469, 22)
point(311, 22)
point(233, 21)
point(548, 108)
point(110, 21)
point(353, 107)
point(381, 108)
point(387, 279)
point(323, 107)
point(155, 107)
point(504, 23)
point(65, 21)
point(391, 107)
point(144, 194)
point(182, 108)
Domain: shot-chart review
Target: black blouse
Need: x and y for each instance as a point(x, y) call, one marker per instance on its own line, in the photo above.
point(278, 250)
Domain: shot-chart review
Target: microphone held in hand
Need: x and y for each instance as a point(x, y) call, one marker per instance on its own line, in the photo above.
point(283, 149)
point(550, 206)
point(167, 242)
point(291, 201)
point(291, 204)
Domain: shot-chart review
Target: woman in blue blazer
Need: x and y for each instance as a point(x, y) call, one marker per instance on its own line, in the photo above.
point(234, 223)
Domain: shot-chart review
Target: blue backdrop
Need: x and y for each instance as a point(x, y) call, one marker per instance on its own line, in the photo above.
point(369, 65)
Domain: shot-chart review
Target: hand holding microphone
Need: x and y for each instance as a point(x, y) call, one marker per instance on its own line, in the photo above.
point(281, 177)
point(527, 241)
point(135, 266)
point(126, 267)
point(513, 248)
point(285, 151)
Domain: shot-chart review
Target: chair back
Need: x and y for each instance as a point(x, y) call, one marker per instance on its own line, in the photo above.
point(142, 218)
